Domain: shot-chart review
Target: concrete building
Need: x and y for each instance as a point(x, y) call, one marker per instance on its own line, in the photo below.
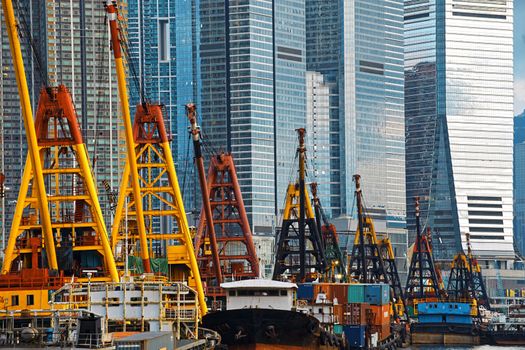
point(459, 115)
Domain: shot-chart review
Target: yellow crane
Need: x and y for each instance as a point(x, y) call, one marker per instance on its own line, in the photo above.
point(58, 231)
point(148, 169)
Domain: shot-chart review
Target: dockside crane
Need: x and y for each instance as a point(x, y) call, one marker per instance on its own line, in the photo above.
point(300, 253)
point(223, 242)
point(150, 191)
point(333, 254)
point(423, 282)
point(58, 230)
point(366, 263)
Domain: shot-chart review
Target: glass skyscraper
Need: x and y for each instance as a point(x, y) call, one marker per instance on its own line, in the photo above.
point(358, 48)
point(519, 180)
point(253, 94)
point(459, 115)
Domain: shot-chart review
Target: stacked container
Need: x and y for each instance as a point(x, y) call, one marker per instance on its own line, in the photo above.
point(444, 312)
point(378, 315)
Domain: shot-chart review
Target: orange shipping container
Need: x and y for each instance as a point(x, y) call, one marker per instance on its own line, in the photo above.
point(339, 313)
point(379, 315)
point(355, 314)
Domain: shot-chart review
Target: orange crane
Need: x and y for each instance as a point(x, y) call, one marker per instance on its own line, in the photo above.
point(223, 242)
point(150, 191)
point(58, 230)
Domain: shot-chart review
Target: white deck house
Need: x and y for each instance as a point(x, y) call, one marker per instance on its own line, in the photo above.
point(259, 293)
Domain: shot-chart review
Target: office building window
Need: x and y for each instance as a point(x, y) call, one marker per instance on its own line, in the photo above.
point(164, 45)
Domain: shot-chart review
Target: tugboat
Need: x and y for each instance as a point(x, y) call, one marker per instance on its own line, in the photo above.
point(508, 330)
point(262, 314)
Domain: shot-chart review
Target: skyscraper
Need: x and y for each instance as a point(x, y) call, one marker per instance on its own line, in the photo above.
point(253, 94)
point(519, 181)
point(71, 47)
point(163, 40)
point(459, 115)
point(358, 48)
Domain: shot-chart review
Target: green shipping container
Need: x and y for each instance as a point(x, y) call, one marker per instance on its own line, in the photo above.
point(338, 329)
point(356, 293)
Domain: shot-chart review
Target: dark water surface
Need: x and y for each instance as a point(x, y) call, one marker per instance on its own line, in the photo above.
point(480, 347)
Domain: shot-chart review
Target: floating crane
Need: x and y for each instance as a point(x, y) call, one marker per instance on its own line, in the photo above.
point(58, 230)
point(223, 242)
point(423, 280)
point(466, 280)
point(367, 264)
point(149, 177)
point(333, 254)
point(300, 252)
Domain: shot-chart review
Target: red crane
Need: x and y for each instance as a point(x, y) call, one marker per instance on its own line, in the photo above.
point(224, 248)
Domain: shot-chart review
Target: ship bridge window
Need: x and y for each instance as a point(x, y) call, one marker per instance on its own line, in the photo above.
point(258, 293)
point(30, 299)
point(232, 293)
point(14, 300)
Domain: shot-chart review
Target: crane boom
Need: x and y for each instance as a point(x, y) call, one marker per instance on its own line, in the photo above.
point(111, 8)
point(32, 142)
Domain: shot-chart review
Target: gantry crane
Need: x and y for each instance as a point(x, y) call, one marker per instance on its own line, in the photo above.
point(58, 230)
point(223, 243)
point(367, 264)
point(466, 280)
point(149, 178)
point(300, 252)
point(333, 254)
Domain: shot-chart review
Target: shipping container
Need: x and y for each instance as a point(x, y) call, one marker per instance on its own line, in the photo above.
point(355, 335)
point(338, 329)
point(382, 330)
point(377, 294)
point(305, 291)
point(339, 313)
point(379, 315)
point(356, 293)
point(355, 313)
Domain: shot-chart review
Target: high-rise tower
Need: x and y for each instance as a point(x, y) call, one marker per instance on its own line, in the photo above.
point(459, 117)
point(357, 47)
point(253, 94)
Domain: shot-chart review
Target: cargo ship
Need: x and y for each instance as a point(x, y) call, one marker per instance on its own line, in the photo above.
point(263, 314)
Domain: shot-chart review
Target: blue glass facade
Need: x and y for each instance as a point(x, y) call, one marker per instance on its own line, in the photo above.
point(358, 47)
point(253, 93)
point(163, 41)
point(459, 102)
point(519, 180)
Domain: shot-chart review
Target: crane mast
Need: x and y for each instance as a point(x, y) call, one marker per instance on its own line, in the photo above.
point(300, 252)
point(149, 151)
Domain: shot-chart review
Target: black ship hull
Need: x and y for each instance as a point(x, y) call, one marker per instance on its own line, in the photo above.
point(270, 329)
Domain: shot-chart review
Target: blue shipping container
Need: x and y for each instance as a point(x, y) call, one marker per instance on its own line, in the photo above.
point(355, 335)
point(356, 293)
point(377, 294)
point(459, 319)
point(305, 291)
